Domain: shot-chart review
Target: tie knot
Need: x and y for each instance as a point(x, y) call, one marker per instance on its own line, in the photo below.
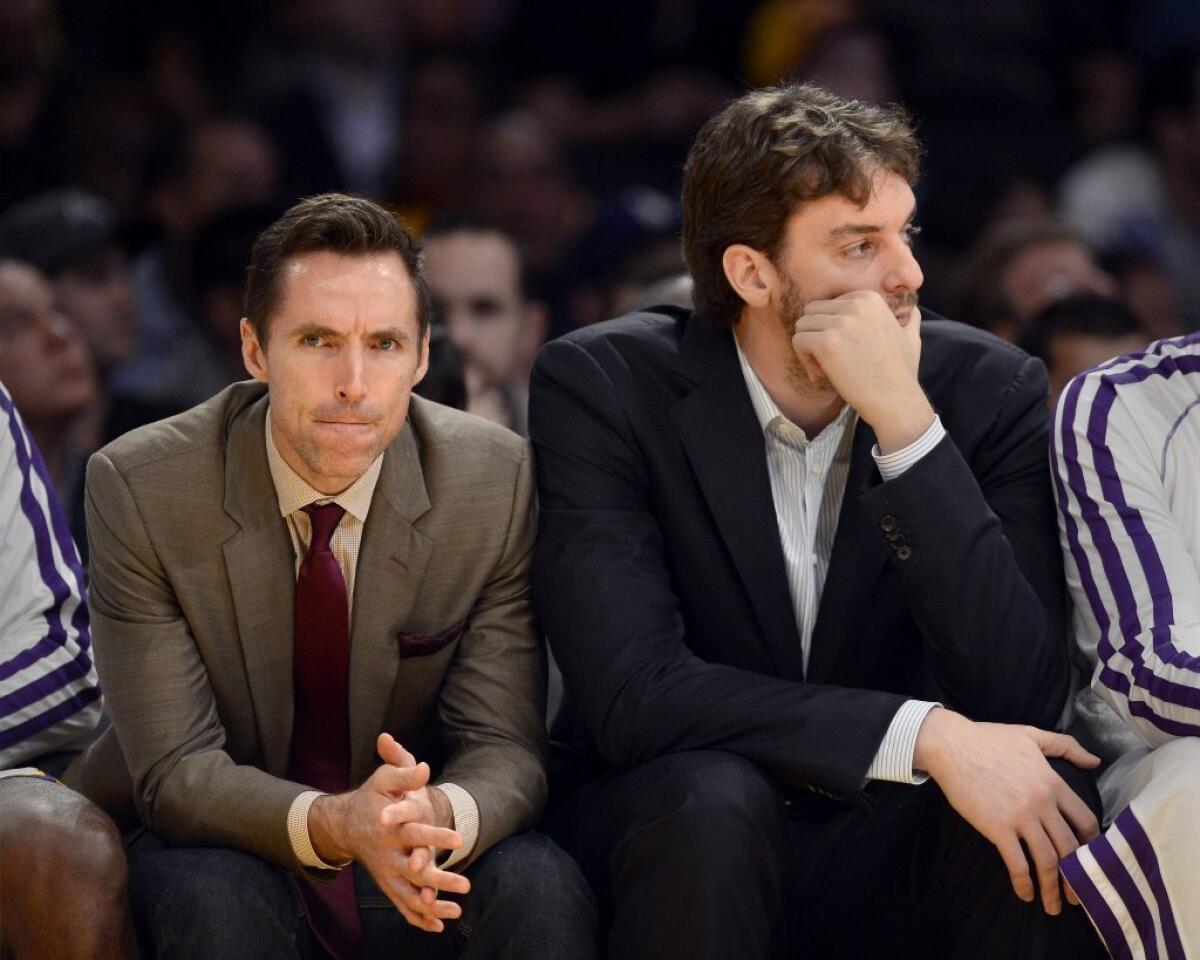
point(325, 518)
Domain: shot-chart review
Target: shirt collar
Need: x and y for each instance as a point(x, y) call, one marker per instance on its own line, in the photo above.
point(294, 492)
point(767, 410)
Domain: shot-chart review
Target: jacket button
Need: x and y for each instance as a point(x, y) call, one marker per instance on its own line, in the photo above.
point(888, 522)
point(893, 535)
point(903, 552)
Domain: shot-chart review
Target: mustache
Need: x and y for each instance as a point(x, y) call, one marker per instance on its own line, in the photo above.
point(902, 301)
point(338, 413)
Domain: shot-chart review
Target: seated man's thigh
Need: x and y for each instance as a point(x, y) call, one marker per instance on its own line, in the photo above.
point(210, 902)
point(682, 853)
point(58, 850)
point(528, 899)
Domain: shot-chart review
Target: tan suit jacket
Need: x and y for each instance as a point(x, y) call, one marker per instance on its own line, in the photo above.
point(192, 589)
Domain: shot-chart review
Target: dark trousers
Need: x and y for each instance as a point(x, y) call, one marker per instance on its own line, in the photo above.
point(527, 900)
point(696, 855)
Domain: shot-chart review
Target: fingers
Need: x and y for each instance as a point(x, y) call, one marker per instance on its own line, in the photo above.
point(424, 872)
point(1045, 863)
point(390, 751)
point(1071, 897)
point(424, 915)
point(413, 834)
point(1017, 865)
point(1064, 746)
point(1077, 813)
point(397, 780)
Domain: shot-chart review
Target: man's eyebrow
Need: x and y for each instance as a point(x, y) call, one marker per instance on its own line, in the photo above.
point(314, 330)
point(862, 229)
point(391, 333)
point(319, 330)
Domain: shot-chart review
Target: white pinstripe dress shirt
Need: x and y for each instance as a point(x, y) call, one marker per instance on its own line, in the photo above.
point(808, 481)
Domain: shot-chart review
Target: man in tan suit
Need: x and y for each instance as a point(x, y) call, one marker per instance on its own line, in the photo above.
point(302, 587)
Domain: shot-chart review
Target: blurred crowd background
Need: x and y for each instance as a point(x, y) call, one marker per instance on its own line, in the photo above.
point(537, 145)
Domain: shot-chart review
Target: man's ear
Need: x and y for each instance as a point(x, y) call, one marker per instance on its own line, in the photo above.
point(750, 273)
point(254, 354)
point(423, 359)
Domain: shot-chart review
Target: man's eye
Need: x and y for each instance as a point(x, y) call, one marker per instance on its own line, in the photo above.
point(312, 340)
point(388, 343)
point(859, 250)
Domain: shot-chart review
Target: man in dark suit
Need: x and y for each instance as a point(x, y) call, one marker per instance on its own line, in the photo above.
point(796, 559)
point(292, 580)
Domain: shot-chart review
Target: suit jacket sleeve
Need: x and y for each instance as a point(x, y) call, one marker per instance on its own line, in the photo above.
point(604, 591)
point(187, 789)
point(983, 572)
point(490, 708)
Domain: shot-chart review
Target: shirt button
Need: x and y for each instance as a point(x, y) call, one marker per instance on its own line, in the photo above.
point(903, 552)
point(888, 522)
point(816, 468)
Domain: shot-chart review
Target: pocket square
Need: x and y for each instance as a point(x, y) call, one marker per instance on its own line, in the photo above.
point(423, 644)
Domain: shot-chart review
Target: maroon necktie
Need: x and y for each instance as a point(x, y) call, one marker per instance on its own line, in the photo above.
point(320, 752)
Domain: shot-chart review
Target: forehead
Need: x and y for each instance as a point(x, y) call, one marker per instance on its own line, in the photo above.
point(352, 293)
point(22, 285)
point(889, 206)
point(457, 262)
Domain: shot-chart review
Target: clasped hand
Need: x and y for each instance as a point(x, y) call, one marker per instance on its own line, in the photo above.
point(392, 825)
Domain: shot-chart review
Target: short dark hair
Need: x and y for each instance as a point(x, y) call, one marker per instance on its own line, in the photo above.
point(1085, 314)
point(331, 222)
point(766, 153)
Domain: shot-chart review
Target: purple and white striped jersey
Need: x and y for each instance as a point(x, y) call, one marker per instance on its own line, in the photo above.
point(49, 693)
point(1126, 459)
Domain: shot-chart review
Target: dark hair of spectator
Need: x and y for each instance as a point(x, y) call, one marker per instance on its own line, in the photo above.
point(1085, 314)
point(769, 151)
point(330, 222)
point(980, 301)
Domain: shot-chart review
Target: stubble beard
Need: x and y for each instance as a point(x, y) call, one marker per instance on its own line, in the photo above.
point(791, 308)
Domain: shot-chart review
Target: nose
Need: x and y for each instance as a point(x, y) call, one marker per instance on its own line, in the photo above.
point(352, 376)
point(904, 273)
point(58, 329)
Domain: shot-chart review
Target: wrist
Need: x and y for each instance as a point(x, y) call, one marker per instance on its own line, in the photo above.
point(903, 423)
point(935, 739)
point(443, 810)
point(326, 829)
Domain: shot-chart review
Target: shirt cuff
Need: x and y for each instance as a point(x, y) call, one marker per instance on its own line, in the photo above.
point(892, 465)
point(894, 758)
point(297, 824)
point(466, 822)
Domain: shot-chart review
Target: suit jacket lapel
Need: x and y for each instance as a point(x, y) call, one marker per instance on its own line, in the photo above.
point(725, 445)
point(859, 553)
point(391, 566)
point(262, 580)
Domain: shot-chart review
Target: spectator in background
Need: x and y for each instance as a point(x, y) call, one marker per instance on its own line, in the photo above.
point(45, 363)
point(62, 869)
point(1133, 200)
point(1019, 267)
point(444, 112)
point(526, 188)
point(71, 236)
point(219, 254)
point(477, 282)
point(1078, 333)
point(213, 165)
